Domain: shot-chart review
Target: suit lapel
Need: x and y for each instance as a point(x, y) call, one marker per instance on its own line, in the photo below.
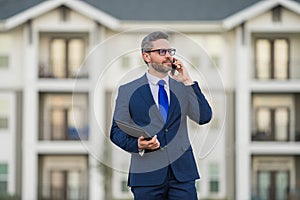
point(146, 94)
point(172, 105)
point(174, 92)
point(145, 91)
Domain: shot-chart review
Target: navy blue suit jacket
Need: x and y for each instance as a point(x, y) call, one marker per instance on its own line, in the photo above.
point(136, 105)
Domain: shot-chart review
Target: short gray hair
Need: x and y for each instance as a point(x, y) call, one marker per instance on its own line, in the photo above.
point(147, 41)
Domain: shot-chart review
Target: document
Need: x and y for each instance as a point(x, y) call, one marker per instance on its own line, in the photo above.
point(132, 130)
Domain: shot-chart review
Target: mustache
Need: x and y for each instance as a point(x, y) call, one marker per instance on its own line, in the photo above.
point(168, 61)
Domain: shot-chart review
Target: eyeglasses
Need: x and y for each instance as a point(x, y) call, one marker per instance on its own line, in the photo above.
point(162, 52)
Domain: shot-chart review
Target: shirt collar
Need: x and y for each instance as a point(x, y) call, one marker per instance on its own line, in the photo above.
point(154, 80)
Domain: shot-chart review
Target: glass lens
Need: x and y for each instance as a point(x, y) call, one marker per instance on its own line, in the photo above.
point(162, 52)
point(172, 52)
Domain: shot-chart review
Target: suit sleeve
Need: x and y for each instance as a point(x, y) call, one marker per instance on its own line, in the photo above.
point(199, 109)
point(117, 136)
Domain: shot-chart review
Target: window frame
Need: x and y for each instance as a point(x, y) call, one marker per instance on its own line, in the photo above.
point(2, 67)
point(46, 125)
point(67, 40)
point(272, 124)
point(273, 187)
point(214, 178)
point(272, 40)
point(273, 163)
point(4, 177)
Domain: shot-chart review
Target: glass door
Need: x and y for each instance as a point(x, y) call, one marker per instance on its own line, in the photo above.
point(273, 185)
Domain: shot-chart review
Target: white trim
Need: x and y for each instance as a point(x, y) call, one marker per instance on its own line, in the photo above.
point(291, 85)
point(292, 5)
point(184, 26)
point(62, 147)
point(93, 13)
point(256, 9)
point(275, 148)
point(46, 6)
point(267, 28)
point(30, 13)
point(47, 85)
point(115, 24)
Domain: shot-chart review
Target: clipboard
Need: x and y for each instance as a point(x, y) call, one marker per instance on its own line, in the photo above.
point(132, 130)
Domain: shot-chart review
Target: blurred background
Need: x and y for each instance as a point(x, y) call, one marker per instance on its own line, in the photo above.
point(61, 62)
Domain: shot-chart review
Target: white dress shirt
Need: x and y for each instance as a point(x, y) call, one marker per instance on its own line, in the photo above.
point(153, 83)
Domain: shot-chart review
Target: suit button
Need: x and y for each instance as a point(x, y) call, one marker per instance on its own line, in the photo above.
point(166, 130)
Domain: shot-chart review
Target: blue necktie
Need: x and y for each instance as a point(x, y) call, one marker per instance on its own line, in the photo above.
point(163, 100)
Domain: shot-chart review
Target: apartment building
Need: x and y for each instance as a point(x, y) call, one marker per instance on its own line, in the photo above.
point(61, 62)
point(267, 90)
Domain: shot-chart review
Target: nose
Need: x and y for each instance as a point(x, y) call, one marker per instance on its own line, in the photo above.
point(168, 54)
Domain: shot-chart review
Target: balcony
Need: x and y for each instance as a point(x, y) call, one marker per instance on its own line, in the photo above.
point(276, 57)
point(61, 55)
point(275, 117)
point(63, 177)
point(275, 177)
point(270, 193)
point(63, 118)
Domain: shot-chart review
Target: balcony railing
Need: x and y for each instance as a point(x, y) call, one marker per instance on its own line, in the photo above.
point(45, 71)
point(65, 194)
point(293, 194)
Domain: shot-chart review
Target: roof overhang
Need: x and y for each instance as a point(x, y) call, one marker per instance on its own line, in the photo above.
point(119, 25)
point(179, 26)
point(46, 6)
point(257, 9)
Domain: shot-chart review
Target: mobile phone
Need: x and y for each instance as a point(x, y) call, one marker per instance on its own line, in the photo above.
point(148, 138)
point(173, 67)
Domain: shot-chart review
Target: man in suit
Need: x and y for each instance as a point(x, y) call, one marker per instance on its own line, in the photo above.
point(160, 102)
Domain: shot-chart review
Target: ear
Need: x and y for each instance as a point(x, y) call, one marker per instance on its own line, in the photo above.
point(146, 57)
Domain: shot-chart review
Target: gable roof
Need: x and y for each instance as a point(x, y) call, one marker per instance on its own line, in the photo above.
point(173, 10)
point(200, 10)
point(34, 8)
point(257, 9)
point(111, 12)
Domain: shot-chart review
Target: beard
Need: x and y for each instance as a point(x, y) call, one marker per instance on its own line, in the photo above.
point(161, 68)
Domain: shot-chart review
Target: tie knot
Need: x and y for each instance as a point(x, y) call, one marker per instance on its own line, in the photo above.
point(161, 83)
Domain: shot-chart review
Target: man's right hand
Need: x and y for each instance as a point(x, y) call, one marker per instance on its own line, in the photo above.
point(148, 144)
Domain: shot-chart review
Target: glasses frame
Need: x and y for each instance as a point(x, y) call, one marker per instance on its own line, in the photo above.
point(162, 52)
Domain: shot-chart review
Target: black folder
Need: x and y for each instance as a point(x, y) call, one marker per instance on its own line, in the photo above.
point(132, 130)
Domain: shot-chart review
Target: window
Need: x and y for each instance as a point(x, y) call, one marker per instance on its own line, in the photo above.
point(273, 116)
point(3, 123)
point(276, 14)
point(273, 177)
point(62, 118)
point(64, 13)
point(66, 56)
point(272, 59)
point(61, 55)
point(4, 61)
point(63, 177)
point(4, 113)
point(273, 185)
point(3, 178)
point(65, 184)
point(214, 178)
point(124, 186)
point(272, 124)
point(125, 61)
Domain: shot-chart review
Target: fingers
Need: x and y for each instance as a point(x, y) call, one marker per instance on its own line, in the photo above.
point(182, 74)
point(148, 144)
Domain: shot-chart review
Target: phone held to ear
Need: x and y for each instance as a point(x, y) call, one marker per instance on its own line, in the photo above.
point(173, 67)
